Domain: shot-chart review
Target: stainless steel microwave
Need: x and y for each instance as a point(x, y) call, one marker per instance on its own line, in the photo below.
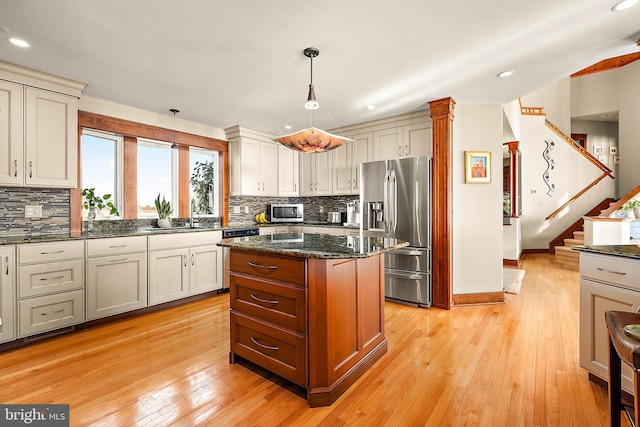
point(287, 212)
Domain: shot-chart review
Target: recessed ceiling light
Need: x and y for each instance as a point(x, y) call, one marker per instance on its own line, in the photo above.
point(507, 73)
point(287, 126)
point(370, 107)
point(18, 42)
point(623, 5)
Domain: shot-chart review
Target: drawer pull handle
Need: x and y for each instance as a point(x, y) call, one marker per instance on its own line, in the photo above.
point(270, 267)
point(119, 260)
point(52, 312)
point(117, 246)
point(52, 252)
point(7, 261)
point(268, 347)
point(264, 300)
point(52, 278)
point(622, 273)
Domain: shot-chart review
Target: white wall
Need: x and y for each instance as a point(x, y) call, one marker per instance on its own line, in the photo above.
point(595, 93)
point(556, 101)
point(603, 135)
point(629, 127)
point(571, 174)
point(477, 208)
point(111, 109)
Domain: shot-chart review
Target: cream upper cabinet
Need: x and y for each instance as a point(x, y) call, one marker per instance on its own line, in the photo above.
point(346, 161)
point(288, 172)
point(11, 134)
point(51, 139)
point(411, 140)
point(38, 129)
point(316, 174)
point(253, 163)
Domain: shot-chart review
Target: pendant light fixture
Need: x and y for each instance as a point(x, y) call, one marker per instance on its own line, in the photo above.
point(174, 146)
point(312, 140)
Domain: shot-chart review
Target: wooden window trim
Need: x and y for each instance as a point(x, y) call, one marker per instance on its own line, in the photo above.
point(131, 131)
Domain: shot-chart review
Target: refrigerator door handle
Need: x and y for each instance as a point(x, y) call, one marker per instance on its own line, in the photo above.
point(394, 201)
point(386, 209)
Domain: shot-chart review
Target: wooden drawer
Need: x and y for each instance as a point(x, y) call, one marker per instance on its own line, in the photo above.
point(618, 271)
point(280, 351)
point(116, 245)
point(41, 314)
point(274, 267)
point(48, 278)
point(53, 251)
point(184, 240)
point(281, 304)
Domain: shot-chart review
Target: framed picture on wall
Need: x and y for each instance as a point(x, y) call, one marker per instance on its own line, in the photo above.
point(597, 150)
point(616, 160)
point(613, 150)
point(477, 167)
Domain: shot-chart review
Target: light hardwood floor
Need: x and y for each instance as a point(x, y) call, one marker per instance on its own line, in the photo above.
point(513, 364)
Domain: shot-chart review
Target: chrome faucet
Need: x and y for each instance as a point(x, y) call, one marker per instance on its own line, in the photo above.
point(193, 210)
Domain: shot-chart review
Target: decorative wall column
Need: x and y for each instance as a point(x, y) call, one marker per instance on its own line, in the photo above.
point(442, 201)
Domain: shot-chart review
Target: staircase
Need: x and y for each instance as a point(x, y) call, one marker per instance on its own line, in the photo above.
point(567, 256)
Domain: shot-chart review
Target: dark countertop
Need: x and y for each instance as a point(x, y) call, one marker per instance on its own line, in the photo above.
point(142, 231)
point(628, 251)
point(313, 245)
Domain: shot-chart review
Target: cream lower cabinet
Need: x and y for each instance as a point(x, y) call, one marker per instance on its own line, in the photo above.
point(183, 264)
point(50, 285)
point(7, 294)
point(606, 283)
point(116, 275)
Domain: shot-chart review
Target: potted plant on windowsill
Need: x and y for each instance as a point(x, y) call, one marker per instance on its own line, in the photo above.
point(633, 204)
point(164, 210)
point(91, 202)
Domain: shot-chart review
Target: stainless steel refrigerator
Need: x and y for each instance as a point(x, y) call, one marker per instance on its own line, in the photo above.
point(395, 201)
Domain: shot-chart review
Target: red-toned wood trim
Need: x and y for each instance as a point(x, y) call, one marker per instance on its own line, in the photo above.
point(608, 64)
point(617, 205)
point(577, 196)
point(479, 298)
point(133, 130)
point(511, 262)
point(130, 167)
point(514, 149)
point(184, 206)
point(75, 195)
point(441, 200)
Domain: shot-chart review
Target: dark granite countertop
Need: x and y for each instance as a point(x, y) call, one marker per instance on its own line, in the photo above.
point(8, 239)
point(313, 245)
point(628, 251)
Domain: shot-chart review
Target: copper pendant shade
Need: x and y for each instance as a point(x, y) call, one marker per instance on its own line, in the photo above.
point(312, 140)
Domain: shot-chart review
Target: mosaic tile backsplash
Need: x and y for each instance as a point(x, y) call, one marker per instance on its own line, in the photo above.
point(55, 211)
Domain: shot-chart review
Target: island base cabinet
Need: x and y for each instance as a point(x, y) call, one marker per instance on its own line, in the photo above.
point(280, 351)
point(116, 284)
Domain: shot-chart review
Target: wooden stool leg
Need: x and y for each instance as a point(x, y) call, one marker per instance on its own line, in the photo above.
point(615, 386)
point(636, 393)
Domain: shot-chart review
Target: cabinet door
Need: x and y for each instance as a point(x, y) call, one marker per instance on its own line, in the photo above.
point(116, 284)
point(342, 169)
point(11, 134)
point(288, 172)
point(250, 170)
point(323, 174)
point(307, 174)
point(51, 139)
point(206, 269)
point(417, 140)
point(595, 299)
point(388, 143)
point(362, 151)
point(7, 295)
point(168, 275)
point(268, 169)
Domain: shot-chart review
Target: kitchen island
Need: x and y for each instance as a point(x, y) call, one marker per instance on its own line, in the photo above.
point(308, 307)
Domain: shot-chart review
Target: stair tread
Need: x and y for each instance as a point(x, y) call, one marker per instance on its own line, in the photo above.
point(578, 233)
point(566, 252)
point(573, 242)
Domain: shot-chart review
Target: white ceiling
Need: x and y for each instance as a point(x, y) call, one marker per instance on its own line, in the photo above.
point(224, 63)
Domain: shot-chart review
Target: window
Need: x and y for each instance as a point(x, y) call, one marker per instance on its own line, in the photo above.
point(101, 167)
point(204, 182)
point(157, 174)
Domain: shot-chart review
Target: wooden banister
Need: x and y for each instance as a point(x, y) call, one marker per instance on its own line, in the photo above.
point(574, 198)
point(617, 205)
